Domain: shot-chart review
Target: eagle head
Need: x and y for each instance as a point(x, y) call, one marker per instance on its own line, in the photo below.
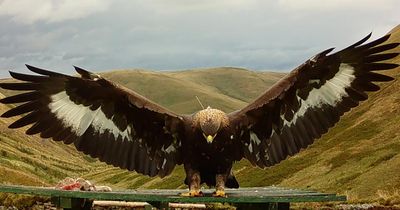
point(210, 121)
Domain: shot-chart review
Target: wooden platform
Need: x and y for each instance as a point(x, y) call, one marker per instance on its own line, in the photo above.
point(244, 198)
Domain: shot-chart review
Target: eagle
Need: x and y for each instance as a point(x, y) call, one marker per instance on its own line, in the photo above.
point(123, 128)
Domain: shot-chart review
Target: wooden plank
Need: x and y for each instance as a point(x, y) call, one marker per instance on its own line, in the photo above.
point(188, 205)
point(120, 204)
point(241, 195)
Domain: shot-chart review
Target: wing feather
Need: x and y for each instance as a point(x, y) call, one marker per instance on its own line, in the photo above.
point(310, 100)
point(101, 119)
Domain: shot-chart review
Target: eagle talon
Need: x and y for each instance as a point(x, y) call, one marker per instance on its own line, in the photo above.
point(192, 193)
point(219, 193)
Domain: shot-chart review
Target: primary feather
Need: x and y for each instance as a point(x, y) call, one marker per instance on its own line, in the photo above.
point(100, 118)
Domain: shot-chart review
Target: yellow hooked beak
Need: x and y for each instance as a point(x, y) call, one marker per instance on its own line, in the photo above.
point(209, 138)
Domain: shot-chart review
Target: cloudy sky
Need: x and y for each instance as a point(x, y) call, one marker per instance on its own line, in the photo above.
point(102, 35)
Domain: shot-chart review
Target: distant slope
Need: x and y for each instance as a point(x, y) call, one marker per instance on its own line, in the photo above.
point(225, 88)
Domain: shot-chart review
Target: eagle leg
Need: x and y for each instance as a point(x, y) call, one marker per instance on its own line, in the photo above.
point(220, 180)
point(194, 184)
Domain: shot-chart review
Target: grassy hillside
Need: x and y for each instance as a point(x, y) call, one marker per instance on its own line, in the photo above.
point(360, 157)
point(225, 88)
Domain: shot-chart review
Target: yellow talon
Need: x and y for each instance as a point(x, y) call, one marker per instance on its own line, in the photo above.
point(219, 193)
point(192, 193)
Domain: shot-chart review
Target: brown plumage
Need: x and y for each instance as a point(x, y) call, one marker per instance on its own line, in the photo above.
point(123, 128)
point(210, 120)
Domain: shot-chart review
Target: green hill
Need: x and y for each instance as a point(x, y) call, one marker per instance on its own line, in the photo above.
point(360, 157)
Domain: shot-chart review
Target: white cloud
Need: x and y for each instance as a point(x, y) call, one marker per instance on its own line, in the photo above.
point(182, 34)
point(30, 11)
point(335, 5)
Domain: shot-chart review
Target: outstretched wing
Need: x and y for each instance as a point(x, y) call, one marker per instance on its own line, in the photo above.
point(309, 100)
point(102, 119)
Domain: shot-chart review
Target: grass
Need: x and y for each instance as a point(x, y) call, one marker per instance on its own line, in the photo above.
point(389, 197)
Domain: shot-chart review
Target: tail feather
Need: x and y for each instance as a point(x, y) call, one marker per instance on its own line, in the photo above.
point(231, 182)
point(209, 178)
